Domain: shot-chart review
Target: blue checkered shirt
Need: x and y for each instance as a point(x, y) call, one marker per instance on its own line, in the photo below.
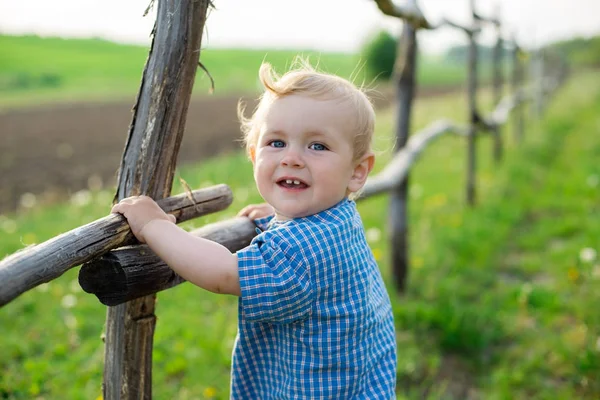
point(315, 320)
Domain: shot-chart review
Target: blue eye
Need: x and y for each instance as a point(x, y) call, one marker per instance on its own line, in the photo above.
point(318, 147)
point(277, 144)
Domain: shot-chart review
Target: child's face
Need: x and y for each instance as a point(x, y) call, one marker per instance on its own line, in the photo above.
point(303, 158)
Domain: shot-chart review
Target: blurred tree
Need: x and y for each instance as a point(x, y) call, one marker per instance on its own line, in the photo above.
point(580, 52)
point(380, 54)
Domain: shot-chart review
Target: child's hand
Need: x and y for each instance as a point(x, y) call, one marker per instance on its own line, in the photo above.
point(139, 211)
point(256, 211)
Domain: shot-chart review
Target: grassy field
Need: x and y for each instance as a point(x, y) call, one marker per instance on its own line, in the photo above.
point(501, 302)
point(37, 70)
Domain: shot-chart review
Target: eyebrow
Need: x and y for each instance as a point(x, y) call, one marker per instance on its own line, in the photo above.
point(275, 133)
point(313, 133)
point(310, 133)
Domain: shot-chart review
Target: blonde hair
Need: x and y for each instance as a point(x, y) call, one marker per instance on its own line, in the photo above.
point(307, 81)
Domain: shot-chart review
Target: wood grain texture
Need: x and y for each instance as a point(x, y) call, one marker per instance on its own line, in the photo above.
point(474, 120)
point(46, 261)
point(516, 82)
point(131, 272)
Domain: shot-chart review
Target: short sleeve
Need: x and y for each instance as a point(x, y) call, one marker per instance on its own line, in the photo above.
point(275, 284)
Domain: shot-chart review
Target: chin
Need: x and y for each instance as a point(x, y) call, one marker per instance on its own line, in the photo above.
point(291, 215)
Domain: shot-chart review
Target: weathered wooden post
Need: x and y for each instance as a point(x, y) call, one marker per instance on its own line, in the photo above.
point(147, 167)
point(473, 115)
point(517, 81)
point(497, 61)
point(537, 76)
point(46, 261)
point(405, 71)
point(497, 65)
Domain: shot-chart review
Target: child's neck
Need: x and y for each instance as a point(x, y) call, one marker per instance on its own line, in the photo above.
point(282, 218)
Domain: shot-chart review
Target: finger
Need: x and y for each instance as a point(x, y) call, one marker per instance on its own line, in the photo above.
point(172, 218)
point(129, 200)
point(254, 214)
point(117, 208)
point(244, 211)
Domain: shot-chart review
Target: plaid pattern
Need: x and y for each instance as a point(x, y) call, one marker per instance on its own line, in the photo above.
point(315, 320)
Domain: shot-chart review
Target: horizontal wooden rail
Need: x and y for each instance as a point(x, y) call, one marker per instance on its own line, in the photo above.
point(500, 115)
point(44, 262)
point(131, 272)
point(492, 20)
point(409, 12)
point(469, 30)
point(397, 169)
point(413, 15)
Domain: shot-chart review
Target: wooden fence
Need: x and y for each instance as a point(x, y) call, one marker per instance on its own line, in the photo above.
point(127, 278)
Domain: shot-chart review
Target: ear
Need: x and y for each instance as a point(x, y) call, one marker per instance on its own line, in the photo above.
point(361, 171)
point(252, 153)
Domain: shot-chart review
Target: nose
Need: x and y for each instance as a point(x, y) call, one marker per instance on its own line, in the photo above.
point(292, 159)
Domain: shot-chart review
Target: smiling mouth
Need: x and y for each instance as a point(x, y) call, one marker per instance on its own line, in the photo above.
point(292, 183)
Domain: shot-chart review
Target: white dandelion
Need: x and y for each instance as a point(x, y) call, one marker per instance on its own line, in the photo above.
point(69, 301)
point(587, 255)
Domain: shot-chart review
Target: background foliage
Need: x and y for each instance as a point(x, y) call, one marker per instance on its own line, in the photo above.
point(502, 297)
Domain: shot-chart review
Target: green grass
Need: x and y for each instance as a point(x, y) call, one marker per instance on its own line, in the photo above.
point(36, 70)
point(500, 304)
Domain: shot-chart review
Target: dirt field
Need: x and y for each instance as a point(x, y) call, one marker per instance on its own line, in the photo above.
point(56, 151)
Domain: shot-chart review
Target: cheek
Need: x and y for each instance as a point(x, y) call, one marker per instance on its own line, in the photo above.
point(261, 171)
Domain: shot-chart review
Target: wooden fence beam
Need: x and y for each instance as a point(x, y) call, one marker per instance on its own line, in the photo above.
point(128, 273)
point(46, 261)
point(412, 14)
point(148, 164)
point(470, 30)
point(408, 12)
point(397, 169)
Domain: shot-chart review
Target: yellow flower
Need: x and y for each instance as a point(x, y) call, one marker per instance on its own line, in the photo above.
point(377, 254)
point(576, 336)
point(210, 392)
point(34, 389)
point(417, 262)
point(435, 201)
point(573, 274)
point(29, 239)
point(455, 220)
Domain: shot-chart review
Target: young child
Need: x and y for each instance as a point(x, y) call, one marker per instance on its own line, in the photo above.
point(315, 320)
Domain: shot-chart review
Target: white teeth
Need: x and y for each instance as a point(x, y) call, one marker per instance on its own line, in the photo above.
point(288, 181)
point(296, 182)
